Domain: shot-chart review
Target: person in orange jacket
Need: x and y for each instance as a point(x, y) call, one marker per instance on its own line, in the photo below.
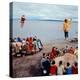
point(66, 28)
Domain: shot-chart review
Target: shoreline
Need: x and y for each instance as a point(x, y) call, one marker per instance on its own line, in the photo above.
point(30, 65)
point(59, 44)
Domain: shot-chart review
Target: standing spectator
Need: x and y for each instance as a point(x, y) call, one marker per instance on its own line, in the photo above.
point(35, 45)
point(75, 68)
point(68, 68)
point(66, 49)
point(71, 50)
point(76, 52)
point(53, 68)
point(60, 69)
point(24, 42)
point(57, 51)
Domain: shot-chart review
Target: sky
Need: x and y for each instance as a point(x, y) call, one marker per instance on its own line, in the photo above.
point(38, 11)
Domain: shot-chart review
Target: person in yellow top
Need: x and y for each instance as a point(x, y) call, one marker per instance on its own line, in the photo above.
point(66, 28)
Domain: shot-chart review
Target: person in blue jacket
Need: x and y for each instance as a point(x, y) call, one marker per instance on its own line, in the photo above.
point(68, 69)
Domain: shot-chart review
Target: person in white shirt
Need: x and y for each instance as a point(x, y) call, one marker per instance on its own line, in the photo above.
point(60, 69)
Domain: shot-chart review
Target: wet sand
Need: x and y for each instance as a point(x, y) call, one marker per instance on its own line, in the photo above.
point(29, 66)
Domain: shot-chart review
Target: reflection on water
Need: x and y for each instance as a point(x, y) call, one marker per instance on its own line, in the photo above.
point(45, 30)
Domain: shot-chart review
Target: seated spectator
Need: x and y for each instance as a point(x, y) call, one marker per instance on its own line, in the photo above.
point(71, 50)
point(53, 53)
point(57, 51)
point(19, 39)
point(66, 49)
point(76, 52)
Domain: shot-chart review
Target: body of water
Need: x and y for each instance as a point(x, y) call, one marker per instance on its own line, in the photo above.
point(45, 30)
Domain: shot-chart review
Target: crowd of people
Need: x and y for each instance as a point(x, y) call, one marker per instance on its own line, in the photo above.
point(30, 45)
point(49, 66)
point(59, 52)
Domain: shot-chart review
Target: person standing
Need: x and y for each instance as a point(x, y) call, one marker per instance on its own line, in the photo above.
point(68, 69)
point(22, 20)
point(75, 68)
point(66, 28)
point(60, 69)
point(53, 68)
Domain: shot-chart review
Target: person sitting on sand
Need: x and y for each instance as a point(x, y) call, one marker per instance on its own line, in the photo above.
point(53, 53)
point(71, 50)
point(66, 49)
point(24, 42)
point(39, 44)
point(66, 28)
point(76, 52)
point(61, 52)
point(19, 39)
point(27, 46)
point(23, 50)
point(30, 40)
point(17, 50)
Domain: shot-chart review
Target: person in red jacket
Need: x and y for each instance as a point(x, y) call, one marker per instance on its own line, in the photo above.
point(75, 68)
point(53, 53)
point(53, 69)
point(22, 20)
point(30, 44)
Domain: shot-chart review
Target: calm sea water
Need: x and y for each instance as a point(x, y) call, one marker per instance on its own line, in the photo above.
point(45, 30)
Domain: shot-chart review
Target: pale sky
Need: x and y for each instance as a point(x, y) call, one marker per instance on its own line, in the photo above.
point(44, 11)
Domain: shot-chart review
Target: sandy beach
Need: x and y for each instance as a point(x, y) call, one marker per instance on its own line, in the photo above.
point(28, 66)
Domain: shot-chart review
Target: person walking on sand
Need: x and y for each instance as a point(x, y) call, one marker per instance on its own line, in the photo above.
point(66, 28)
point(22, 20)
